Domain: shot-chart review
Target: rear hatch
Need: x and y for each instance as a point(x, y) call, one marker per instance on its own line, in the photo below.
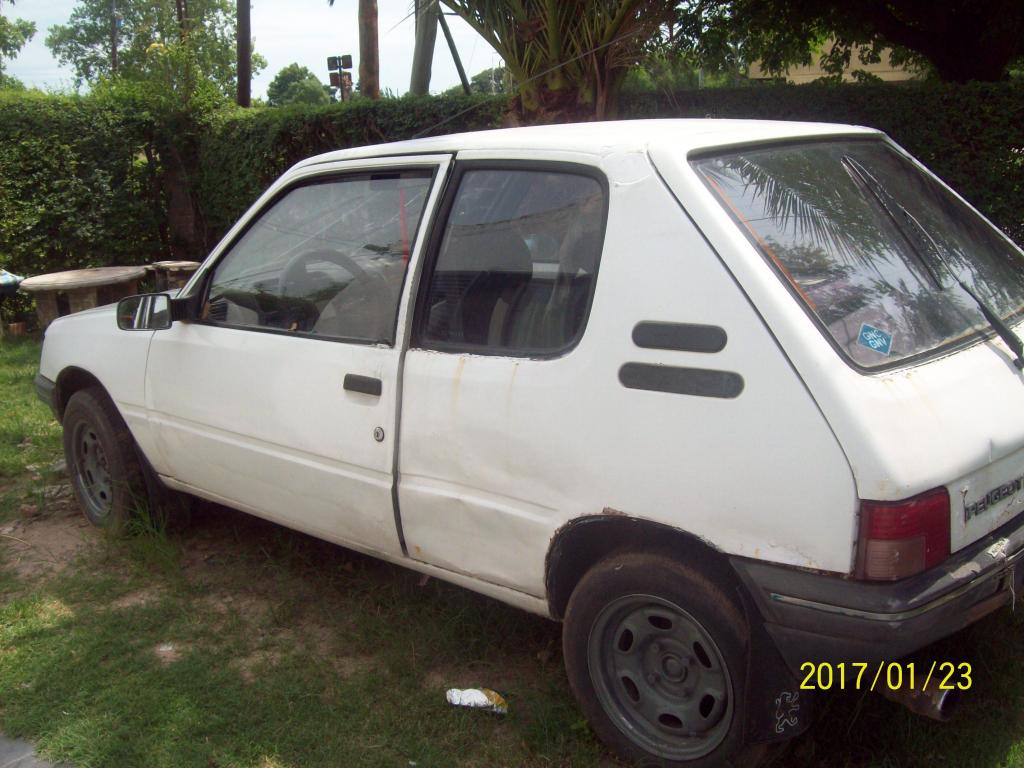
point(918, 294)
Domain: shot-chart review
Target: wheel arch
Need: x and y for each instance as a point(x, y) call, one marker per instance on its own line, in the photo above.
point(584, 541)
point(70, 380)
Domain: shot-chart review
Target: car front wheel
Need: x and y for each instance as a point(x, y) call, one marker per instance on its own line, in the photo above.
point(101, 459)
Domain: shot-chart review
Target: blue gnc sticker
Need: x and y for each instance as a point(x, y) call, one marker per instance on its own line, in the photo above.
point(875, 339)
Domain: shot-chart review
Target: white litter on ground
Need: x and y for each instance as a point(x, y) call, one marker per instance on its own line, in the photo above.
point(478, 698)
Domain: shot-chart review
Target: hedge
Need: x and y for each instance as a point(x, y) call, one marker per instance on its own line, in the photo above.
point(970, 135)
point(75, 185)
point(243, 151)
point(80, 176)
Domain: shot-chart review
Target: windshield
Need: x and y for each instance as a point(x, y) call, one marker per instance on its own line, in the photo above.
point(858, 266)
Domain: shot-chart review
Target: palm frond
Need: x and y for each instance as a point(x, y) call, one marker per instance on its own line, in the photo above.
point(572, 48)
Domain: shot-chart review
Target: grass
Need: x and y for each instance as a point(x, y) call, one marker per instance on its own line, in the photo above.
point(28, 433)
point(234, 642)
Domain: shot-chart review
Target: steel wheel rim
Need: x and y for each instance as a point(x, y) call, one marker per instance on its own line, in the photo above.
point(660, 677)
point(91, 471)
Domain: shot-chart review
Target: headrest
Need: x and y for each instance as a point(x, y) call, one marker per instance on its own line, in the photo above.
point(485, 248)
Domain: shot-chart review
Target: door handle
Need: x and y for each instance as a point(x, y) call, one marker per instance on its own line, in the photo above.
point(367, 385)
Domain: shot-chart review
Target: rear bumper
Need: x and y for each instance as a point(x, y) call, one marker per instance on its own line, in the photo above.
point(820, 618)
point(46, 391)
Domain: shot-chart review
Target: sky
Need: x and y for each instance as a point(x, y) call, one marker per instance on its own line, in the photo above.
point(284, 31)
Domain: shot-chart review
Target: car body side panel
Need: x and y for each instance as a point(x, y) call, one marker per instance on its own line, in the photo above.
point(953, 420)
point(263, 420)
point(497, 453)
point(92, 342)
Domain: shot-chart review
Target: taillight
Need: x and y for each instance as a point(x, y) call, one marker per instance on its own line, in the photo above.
point(901, 538)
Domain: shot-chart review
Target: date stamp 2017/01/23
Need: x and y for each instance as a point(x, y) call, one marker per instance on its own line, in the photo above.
point(861, 675)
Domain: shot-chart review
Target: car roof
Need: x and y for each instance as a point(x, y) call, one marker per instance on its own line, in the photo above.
point(601, 138)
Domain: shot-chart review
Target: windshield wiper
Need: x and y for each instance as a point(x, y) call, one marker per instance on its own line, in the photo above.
point(920, 240)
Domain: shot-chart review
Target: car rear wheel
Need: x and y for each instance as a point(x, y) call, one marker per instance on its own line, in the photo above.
point(101, 459)
point(656, 656)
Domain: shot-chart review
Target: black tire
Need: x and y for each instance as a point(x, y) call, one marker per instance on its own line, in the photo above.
point(105, 471)
point(656, 654)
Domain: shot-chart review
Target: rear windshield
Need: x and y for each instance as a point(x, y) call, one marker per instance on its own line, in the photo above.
point(877, 249)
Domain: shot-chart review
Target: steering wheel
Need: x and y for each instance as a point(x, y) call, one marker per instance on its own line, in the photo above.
point(372, 287)
point(296, 266)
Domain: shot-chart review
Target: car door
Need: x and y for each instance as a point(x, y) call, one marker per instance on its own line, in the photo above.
point(281, 399)
point(493, 366)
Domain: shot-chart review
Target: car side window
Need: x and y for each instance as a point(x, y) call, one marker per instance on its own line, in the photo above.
point(517, 264)
point(328, 259)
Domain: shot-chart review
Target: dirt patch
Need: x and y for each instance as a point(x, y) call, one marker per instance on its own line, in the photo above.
point(511, 675)
point(248, 667)
point(248, 606)
point(349, 666)
point(38, 545)
point(202, 552)
point(443, 679)
point(137, 598)
point(168, 653)
point(318, 638)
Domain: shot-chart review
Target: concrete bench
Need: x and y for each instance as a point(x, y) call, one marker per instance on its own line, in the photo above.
point(82, 288)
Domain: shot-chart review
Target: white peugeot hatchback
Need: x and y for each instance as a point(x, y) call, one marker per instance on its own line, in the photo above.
point(725, 397)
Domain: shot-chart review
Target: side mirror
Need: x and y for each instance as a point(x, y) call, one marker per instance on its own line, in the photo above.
point(145, 312)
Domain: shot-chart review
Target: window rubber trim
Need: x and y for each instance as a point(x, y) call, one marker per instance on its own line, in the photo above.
point(439, 226)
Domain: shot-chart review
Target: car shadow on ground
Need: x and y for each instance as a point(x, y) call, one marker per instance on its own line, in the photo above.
point(854, 728)
point(229, 640)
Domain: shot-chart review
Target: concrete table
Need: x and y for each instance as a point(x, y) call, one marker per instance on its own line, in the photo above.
point(83, 289)
point(171, 275)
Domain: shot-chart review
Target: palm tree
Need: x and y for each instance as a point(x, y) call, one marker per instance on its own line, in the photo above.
point(567, 57)
point(369, 59)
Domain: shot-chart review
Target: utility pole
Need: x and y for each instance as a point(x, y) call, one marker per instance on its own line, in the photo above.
point(369, 57)
point(244, 47)
point(455, 52)
point(423, 53)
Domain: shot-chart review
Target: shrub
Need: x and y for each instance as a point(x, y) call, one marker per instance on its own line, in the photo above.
point(76, 188)
point(970, 135)
point(243, 150)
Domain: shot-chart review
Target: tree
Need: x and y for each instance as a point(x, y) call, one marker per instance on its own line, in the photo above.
point(369, 57)
point(960, 40)
point(495, 80)
point(14, 33)
point(423, 53)
point(568, 59)
point(86, 44)
point(295, 84)
point(244, 50)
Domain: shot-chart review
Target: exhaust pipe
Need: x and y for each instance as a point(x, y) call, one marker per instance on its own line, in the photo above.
point(932, 702)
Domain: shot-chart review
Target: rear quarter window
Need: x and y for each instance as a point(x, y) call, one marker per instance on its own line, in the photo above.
point(517, 262)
